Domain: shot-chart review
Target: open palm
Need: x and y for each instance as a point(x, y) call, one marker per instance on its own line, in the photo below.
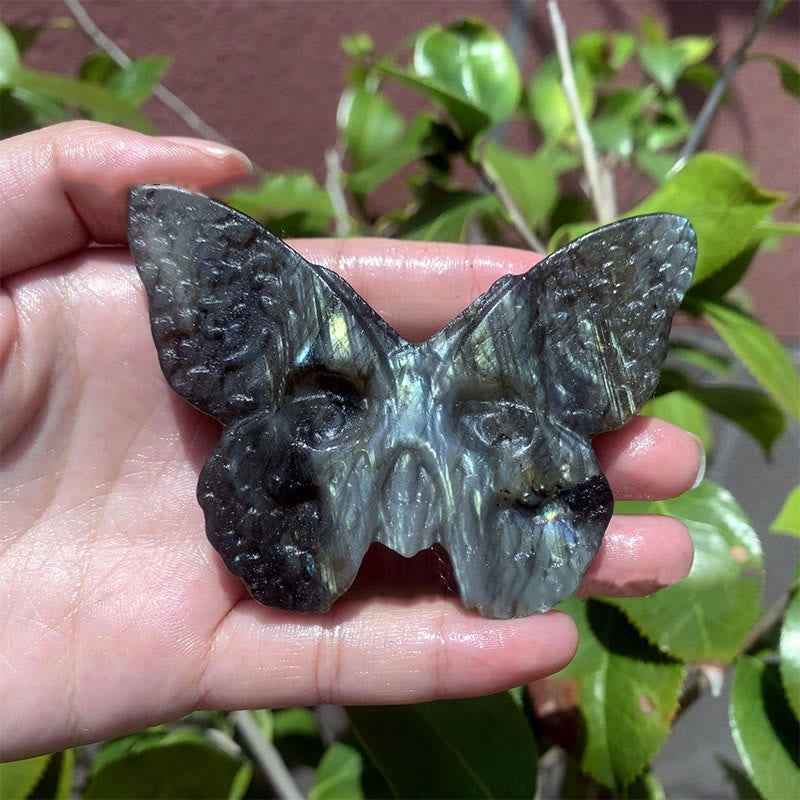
point(117, 612)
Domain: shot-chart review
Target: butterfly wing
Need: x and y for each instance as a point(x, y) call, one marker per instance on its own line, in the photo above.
point(530, 373)
point(292, 362)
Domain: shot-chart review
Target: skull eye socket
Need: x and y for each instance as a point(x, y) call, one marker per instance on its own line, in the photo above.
point(496, 423)
point(323, 407)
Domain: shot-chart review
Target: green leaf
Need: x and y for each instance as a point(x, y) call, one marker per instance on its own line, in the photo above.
point(670, 127)
point(338, 776)
point(528, 179)
point(85, 95)
point(612, 134)
point(263, 717)
point(470, 119)
point(19, 778)
point(569, 210)
point(97, 68)
point(704, 76)
point(517, 694)
point(789, 651)
point(665, 62)
point(289, 204)
point(419, 141)
point(22, 111)
point(726, 277)
point(450, 748)
point(656, 165)
point(757, 349)
point(294, 722)
point(653, 31)
point(628, 693)
point(788, 521)
point(777, 7)
point(116, 749)
point(764, 729)
point(789, 74)
point(9, 57)
point(708, 614)
point(24, 35)
point(721, 202)
point(548, 104)
point(56, 783)
point(471, 61)
point(773, 228)
point(627, 103)
point(604, 53)
point(694, 49)
point(443, 215)
point(137, 81)
point(357, 45)
point(134, 83)
point(697, 357)
point(680, 408)
point(752, 410)
point(178, 765)
point(662, 63)
point(368, 124)
point(296, 734)
point(646, 787)
point(741, 783)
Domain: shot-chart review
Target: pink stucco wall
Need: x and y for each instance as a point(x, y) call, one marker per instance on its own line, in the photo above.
point(268, 75)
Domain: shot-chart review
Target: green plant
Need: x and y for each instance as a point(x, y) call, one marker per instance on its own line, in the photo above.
point(641, 661)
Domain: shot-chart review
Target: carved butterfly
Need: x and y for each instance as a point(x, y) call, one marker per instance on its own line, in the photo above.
point(339, 433)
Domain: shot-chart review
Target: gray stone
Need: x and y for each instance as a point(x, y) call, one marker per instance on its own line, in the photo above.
point(339, 433)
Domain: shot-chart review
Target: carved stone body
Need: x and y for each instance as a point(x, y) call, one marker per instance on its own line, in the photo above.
point(338, 432)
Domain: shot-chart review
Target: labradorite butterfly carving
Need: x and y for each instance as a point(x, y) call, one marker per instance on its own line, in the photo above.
point(339, 433)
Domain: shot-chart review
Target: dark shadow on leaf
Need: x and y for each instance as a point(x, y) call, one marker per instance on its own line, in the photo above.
point(783, 721)
point(617, 635)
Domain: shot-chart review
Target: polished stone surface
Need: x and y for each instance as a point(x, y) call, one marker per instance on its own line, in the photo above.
point(338, 432)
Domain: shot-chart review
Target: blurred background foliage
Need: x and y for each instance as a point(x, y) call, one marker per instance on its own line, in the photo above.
point(641, 662)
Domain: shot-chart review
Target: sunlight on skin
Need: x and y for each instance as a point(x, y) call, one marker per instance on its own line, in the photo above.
point(118, 614)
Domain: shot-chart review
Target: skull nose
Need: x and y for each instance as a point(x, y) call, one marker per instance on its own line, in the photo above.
point(412, 503)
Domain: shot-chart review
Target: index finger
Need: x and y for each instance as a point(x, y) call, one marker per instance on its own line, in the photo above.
point(65, 186)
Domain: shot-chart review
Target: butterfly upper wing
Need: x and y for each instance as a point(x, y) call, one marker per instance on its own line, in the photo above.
point(233, 308)
point(291, 360)
point(589, 324)
point(537, 366)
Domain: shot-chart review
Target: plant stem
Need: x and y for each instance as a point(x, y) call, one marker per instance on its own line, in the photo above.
point(694, 686)
point(333, 186)
point(602, 200)
point(266, 756)
point(497, 187)
point(703, 120)
point(768, 619)
point(122, 59)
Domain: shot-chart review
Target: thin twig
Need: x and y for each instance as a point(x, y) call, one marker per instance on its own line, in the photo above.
point(764, 12)
point(767, 620)
point(497, 187)
point(333, 186)
point(266, 756)
point(122, 59)
point(696, 682)
point(690, 693)
point(601, 200)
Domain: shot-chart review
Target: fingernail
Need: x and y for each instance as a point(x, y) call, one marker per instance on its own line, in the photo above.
point(701, 450)
point(215, 149)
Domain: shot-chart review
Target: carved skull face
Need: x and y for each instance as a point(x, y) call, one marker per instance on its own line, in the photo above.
point(339, 433)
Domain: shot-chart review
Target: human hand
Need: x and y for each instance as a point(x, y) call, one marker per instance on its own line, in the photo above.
point(117, 612)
